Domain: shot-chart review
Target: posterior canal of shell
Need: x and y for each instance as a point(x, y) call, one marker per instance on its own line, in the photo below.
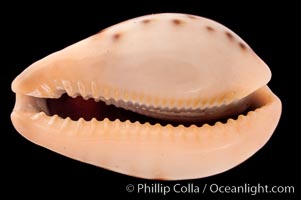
point(164, 74)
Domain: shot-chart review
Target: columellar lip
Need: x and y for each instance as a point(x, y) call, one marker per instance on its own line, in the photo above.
point(165, 96)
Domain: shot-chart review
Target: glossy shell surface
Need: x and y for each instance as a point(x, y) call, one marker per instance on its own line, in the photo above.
point(167, 66)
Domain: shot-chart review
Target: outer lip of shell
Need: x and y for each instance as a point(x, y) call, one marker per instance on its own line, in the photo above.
point(170, 153)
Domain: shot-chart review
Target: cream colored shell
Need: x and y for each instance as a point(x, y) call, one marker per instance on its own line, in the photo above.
point(165, 61)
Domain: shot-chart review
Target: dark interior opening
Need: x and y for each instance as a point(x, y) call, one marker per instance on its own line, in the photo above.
point(77, 108)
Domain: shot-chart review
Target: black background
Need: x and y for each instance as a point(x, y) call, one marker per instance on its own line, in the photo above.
point(30, 33)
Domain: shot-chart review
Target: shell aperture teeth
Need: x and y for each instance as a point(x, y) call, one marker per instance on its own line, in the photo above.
point(208, 112)
point(100, 108)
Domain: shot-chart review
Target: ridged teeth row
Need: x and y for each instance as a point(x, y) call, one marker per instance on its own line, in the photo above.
point(88, 128)
point(111, 95)
point(94, 124)
point(128, 131)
